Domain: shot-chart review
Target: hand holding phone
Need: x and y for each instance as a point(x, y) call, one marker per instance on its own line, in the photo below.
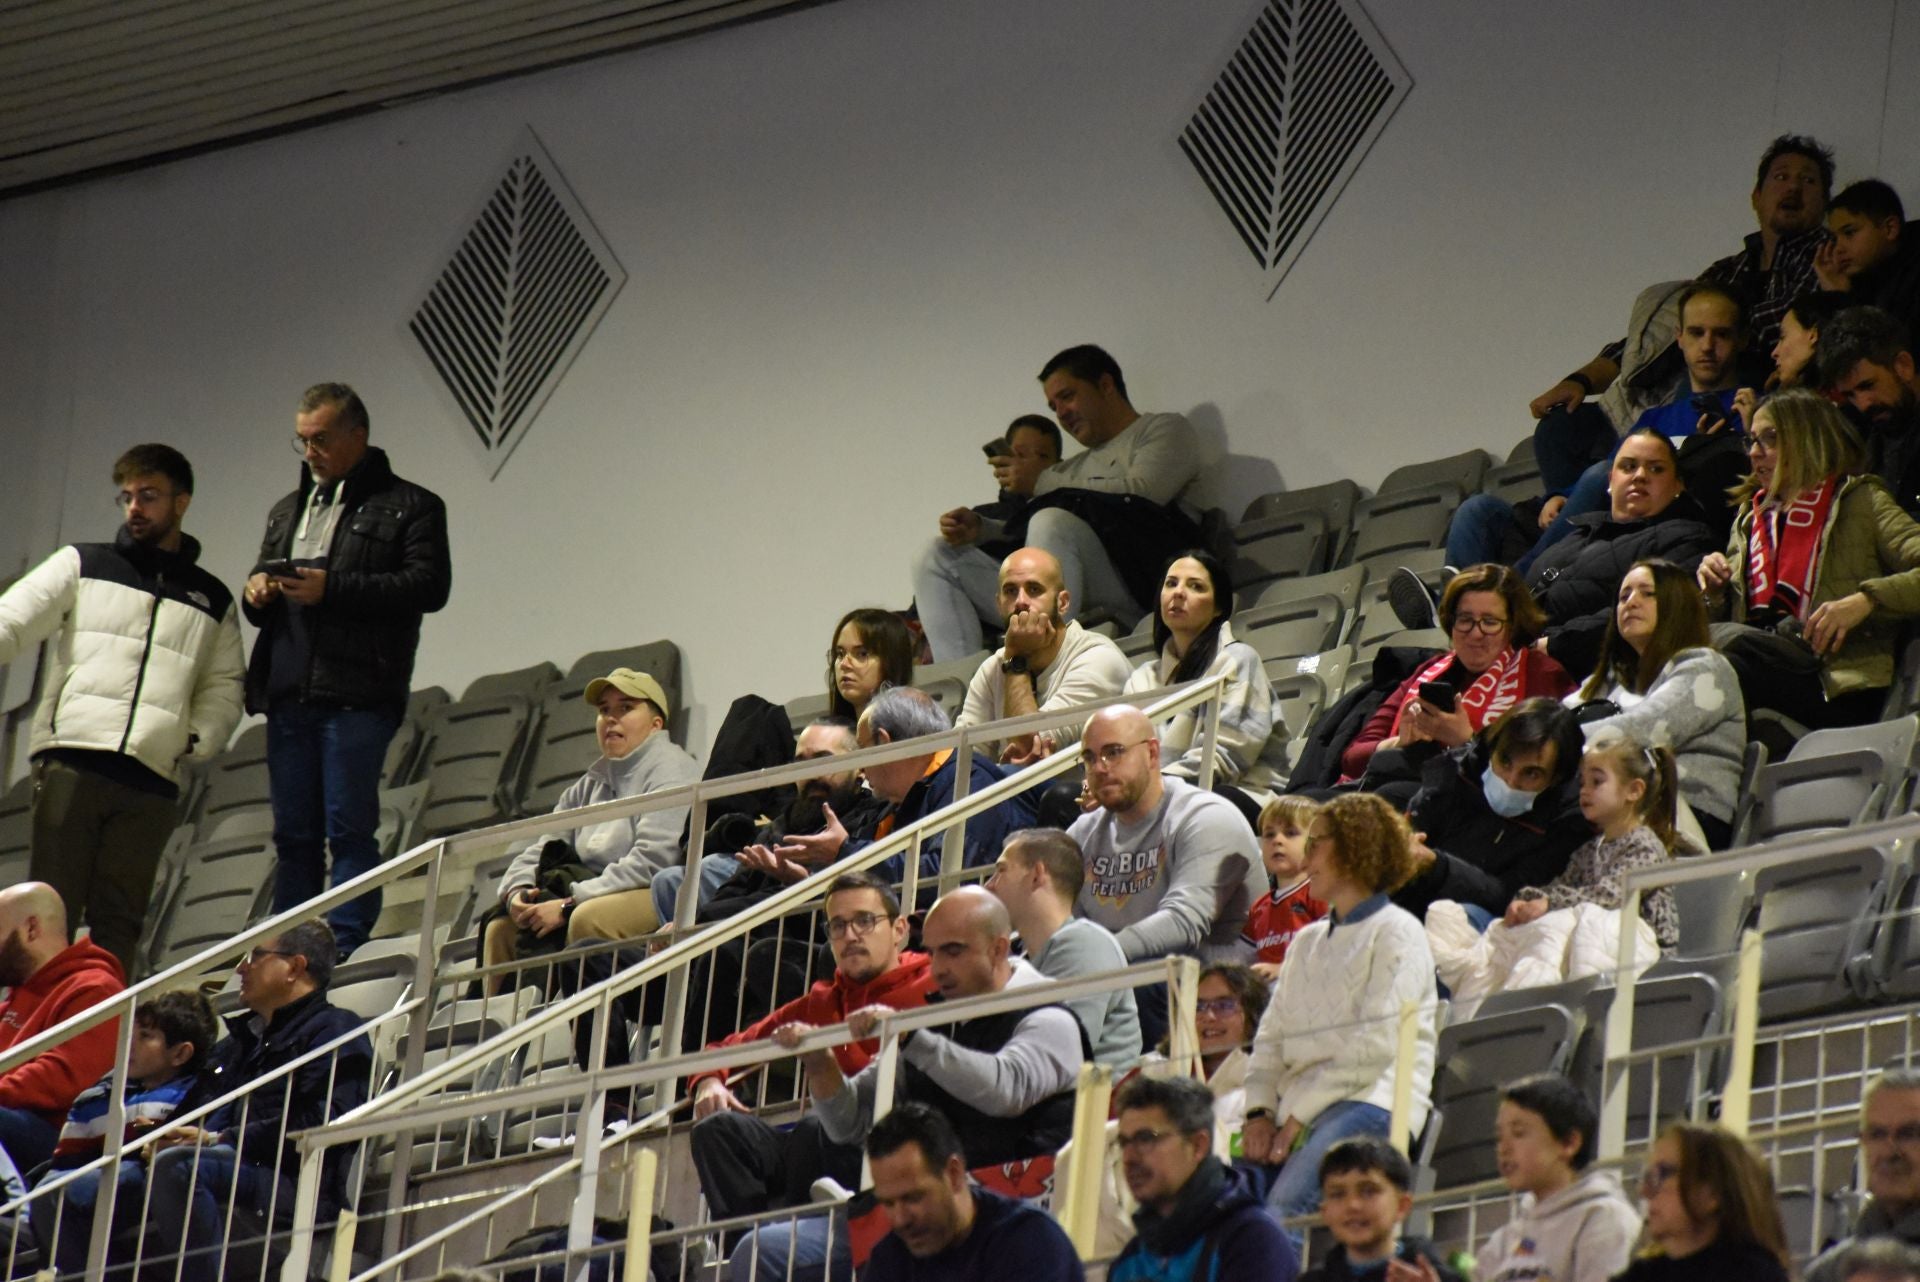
point(280, 568)
point(1439, 696)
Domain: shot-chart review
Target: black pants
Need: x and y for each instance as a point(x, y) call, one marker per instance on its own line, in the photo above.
point(1783, 673)
point(746, 1166)
point(98, 842)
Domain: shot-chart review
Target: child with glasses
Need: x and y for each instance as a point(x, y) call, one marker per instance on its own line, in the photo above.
point(1711, 1211)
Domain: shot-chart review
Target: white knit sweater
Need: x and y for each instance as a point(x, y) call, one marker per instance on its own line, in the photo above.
point(1332, 1028)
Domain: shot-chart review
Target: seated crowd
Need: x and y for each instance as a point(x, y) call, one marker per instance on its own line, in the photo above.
point(1726, 525)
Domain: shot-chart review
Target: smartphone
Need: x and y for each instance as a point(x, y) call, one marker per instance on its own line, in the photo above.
point(280, 569)
point(1440, 695)
point(997, 448)
point(1708, 403)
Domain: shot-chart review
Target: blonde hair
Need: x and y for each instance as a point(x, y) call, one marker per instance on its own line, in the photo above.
point(1816, 442)
point(1292, 811)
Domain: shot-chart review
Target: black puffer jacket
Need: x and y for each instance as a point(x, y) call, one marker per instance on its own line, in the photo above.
point(1577, 580)
point(387, 566)
point(1480, 857)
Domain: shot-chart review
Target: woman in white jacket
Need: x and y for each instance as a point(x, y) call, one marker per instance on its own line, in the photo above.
point(1322, 1068)
point(1193, 639)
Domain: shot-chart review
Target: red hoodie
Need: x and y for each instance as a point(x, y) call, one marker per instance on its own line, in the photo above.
point(827, 1002)
point(73, 979)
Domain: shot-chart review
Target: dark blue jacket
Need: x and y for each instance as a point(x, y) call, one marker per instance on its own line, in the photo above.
point(986, 832)
point(1235, 1240)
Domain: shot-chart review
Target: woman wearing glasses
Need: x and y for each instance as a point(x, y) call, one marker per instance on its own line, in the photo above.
point(1492, 665)
point(871, 648)
point(1711, 1211)
point(1822, 570)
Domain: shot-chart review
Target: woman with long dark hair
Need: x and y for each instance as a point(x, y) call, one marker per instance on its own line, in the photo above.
point(871, 648)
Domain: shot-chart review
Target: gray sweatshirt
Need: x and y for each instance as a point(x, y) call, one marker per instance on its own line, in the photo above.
point(626, 852)
point(1583, 1233)
point(1179, 881)
point(1694, 708)
point(1041, 1059)
point(1112, 1019)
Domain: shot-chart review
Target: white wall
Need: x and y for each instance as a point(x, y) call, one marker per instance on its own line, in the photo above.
point(853, 234)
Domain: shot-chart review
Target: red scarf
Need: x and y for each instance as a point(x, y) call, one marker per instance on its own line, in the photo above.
point(1496, 690)
point(1785, 549)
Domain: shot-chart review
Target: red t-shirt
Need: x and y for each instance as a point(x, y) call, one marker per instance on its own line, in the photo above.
point(1277, 917)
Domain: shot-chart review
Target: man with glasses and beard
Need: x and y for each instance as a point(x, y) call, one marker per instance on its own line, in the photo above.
point(144, 678)
point(747, 1166)
point(1867, 364)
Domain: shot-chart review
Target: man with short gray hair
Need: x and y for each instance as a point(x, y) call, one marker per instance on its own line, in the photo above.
point(1890, 1159)
point(922, 784)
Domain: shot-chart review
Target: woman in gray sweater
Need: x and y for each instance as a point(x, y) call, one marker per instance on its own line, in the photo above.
point(1673, 689)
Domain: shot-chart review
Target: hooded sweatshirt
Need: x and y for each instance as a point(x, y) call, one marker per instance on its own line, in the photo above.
point(73, 979)
point(1583, 1233)
point(905, 987)
point(1218, 1230)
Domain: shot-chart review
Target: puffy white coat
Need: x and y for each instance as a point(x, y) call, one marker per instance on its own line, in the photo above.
point(146, 659)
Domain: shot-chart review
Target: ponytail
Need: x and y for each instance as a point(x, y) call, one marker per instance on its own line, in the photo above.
point(1658, 770)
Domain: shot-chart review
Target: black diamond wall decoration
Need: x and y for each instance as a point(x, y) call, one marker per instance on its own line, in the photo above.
point(516, 303)
point(1289, 120)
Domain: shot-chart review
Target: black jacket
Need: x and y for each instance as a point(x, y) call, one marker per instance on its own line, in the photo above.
point(1480, 857)
point(311, 1095)
point(1319, 762)
point(1336, 1269)
point(1577, 580)
point(387, 566)
point(1717, 1262)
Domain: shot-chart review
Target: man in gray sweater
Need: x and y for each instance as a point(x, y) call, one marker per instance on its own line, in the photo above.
point(1037, 877)
point(1169, 868)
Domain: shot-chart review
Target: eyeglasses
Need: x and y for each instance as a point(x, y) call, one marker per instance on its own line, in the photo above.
point(858, 924)
point(1486, 625)
point(318, 443)
point(1108, 753)
point(1655, 1177)
point(1142, 1139)
point(1766, 438)
point(1218, 1007)
point(253, 958)
point(127, 498)
point(859, 654)
point(1905, 1136)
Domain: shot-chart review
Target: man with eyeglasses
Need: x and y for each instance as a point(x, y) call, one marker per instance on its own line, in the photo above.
point(351, 561)
point(746, 1166)
point(143, 678)
point(1199, 1218)
point(239, 1159)
point(1890, 1156)
point(1170, 869)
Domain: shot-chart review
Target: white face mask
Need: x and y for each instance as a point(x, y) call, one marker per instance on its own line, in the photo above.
point(1506, 800)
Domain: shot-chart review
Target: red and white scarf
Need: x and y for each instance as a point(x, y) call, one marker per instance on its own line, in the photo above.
point(1496, 689)
point(1785, 548)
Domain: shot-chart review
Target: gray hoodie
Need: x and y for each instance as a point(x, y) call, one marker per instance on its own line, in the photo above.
point(1583, 1233)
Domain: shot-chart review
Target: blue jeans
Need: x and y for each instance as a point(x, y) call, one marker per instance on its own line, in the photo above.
point(27, 1137)
point(67, 1248)
point(196, 1194)
point(1480, 530)
point(1296, 1190)
point(1589, 494)
point(764, 1254)
point(715, 871)
point(325, 765)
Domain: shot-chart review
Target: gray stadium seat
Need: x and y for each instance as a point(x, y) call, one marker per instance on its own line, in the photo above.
point(1343, 585)
point(1522, 451)
point(1390, 526)
point(1833, 779)
point(1513, 482)
point(225, 886)
point(807, 708)
point(1711, 912)
point(1462, 471)
point(1335, 501)
point(1292, 628)
point(1304, 687)
point(1669, 1009)
point(1279, 547)
point(947, 682)
point(1374, 619)
point(1896, 948)
point(407, 750)
point(237, 777)
point(1414, 638)
point(1137, 645)
point(475, 749)
point(1477, 1057)
point(1816, 918)
point(1359, 673)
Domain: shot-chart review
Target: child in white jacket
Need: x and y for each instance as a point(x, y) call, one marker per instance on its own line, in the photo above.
point(1573, 1225)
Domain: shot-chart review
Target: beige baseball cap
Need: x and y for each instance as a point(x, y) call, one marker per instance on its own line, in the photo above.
point(637, 685)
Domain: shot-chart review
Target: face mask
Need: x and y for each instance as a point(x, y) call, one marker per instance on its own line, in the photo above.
point(1507, 801)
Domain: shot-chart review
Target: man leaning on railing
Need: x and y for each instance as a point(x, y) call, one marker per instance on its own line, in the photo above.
point(243, 1160)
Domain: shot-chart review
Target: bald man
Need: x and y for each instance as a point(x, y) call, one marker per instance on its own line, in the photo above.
point(1045, 663)
point(49, 979)
point(1006, 1082)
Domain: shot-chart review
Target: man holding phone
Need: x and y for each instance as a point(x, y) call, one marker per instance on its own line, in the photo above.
point(351, 560)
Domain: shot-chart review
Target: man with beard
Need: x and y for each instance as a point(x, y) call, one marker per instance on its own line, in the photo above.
point(1045, 662)
point(745, 1165)
point(1866, 361)
point(1890, 1151)
point(49, 980)
point(145, 677)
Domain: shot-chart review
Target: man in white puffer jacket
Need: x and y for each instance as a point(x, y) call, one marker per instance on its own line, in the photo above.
point(144, 674)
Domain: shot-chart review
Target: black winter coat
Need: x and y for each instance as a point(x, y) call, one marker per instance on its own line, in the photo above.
point(1319, 762)
point(1577, 580)
point(387, 566)
point(1480, 857)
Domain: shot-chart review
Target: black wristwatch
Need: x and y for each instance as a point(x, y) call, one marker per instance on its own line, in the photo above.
point(1017, 664)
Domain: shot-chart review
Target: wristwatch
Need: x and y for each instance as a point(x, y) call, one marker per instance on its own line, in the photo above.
point(1014, 665)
